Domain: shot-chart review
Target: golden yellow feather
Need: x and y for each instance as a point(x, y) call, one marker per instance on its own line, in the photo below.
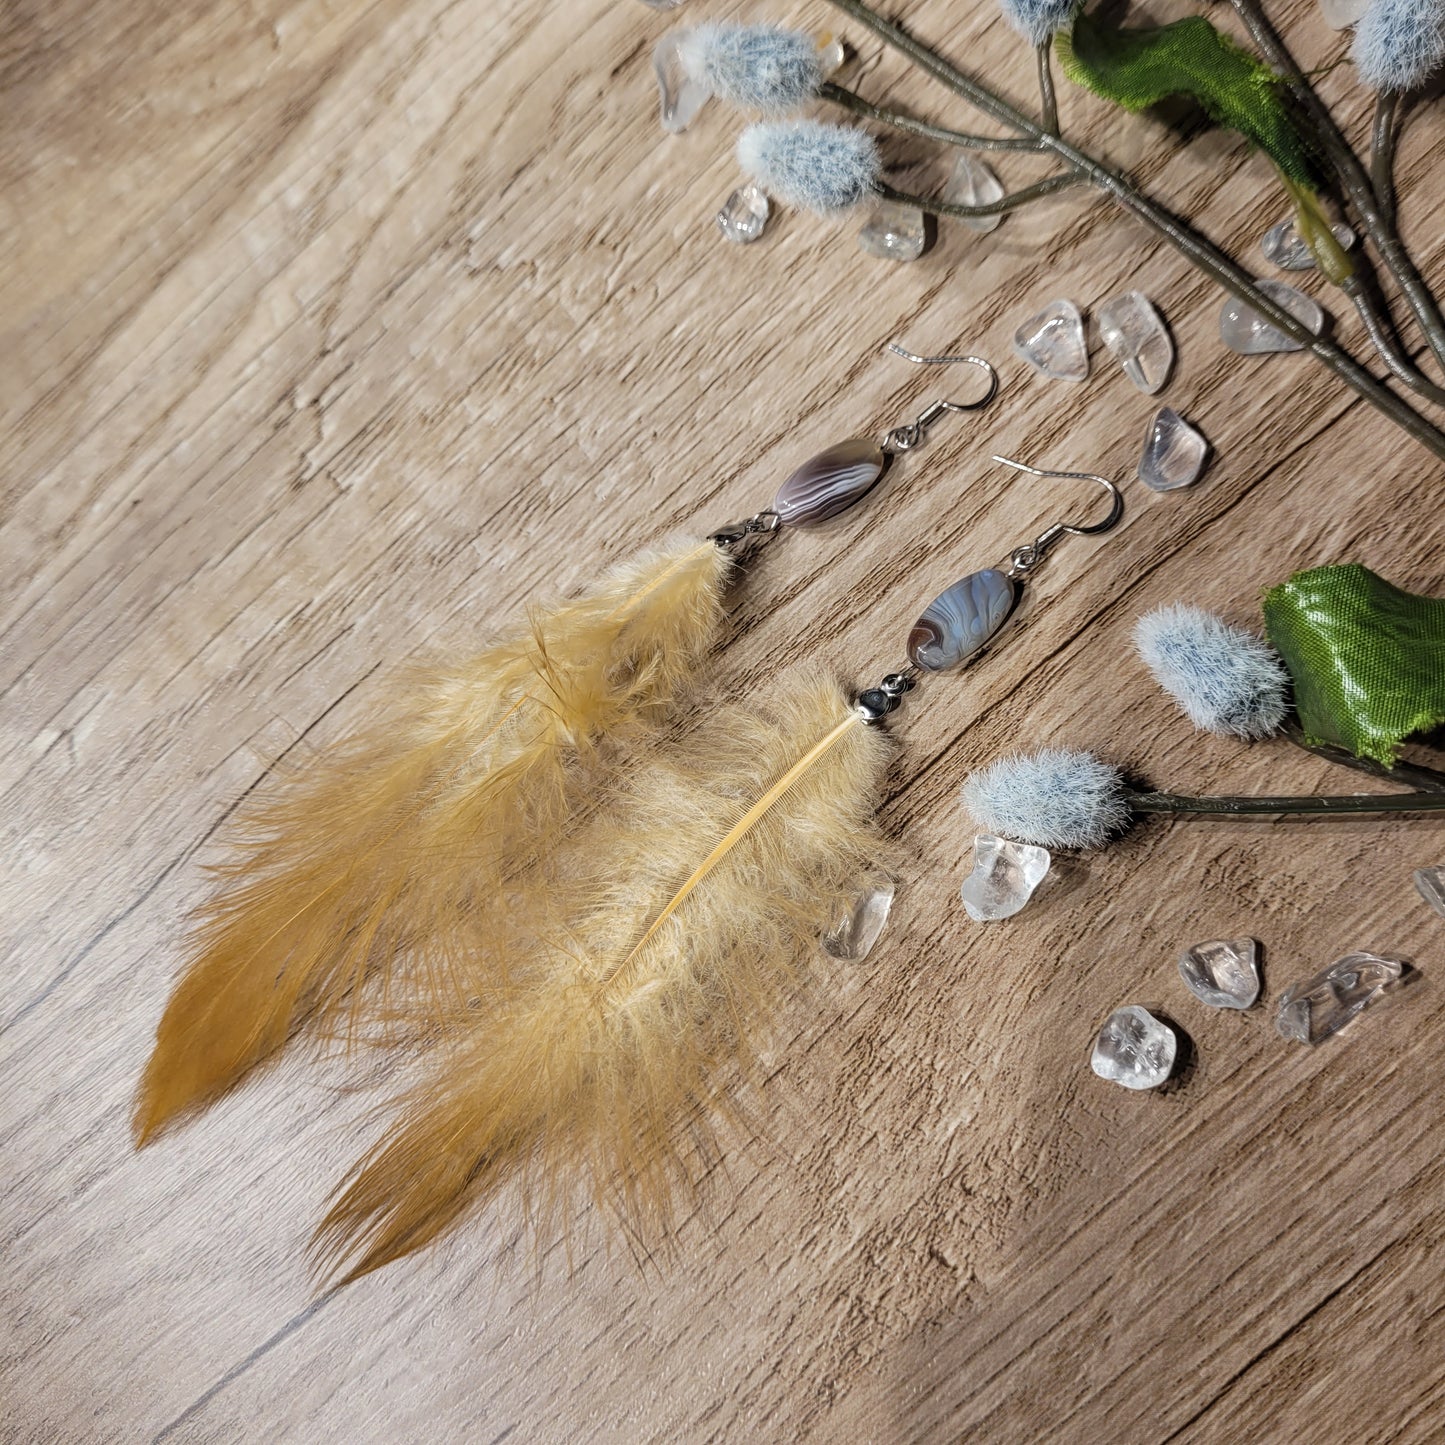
point(663, 939)
point(400, 849)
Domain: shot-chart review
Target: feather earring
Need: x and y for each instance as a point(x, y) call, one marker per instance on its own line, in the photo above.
point(377, 871)
point(665, 939)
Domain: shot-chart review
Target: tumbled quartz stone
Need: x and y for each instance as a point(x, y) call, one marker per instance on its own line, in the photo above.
point(972, 183)
point(1341, 14)
point(1175, 453)
point(960, 621)
point(1247, 332)
point(832, 55)
point(1132, 330)
point(1134, 1049)
point(894, 232)
point(1053, 342)
point(860, 922)
point(830, 482)
point(1317, 1007)
point(1431, 883)
point(744, 215)
point(1004, 877)
point(1223, 973)
point(680, 96)
point(1283, 246)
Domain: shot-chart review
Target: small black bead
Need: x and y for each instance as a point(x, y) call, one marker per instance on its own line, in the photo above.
point(876, 703)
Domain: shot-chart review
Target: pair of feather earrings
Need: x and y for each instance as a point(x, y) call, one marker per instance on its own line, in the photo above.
point(651, 948)
point(582, 970)
point(451, 875)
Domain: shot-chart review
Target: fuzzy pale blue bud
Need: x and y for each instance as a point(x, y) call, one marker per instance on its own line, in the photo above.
point(757, 67)
point(1225, 679)
point(1056, 798)
point(1038, 20)
point(816, 167)
point(1399, 43)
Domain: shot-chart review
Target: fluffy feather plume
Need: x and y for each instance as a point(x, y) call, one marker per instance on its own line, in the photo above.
point(1038, 20)
point(1399, 44)
point(758, 67)
point(1056, 798)
point(805, 163)
point(1224, 679)
point(394, 850)
point(672, 929)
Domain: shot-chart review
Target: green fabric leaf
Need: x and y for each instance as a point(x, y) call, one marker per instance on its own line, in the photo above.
point(1137, 68)
point(1367, 658)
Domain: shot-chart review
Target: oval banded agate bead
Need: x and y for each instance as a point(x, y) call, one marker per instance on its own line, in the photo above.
point(830, 482)
point(958, 622)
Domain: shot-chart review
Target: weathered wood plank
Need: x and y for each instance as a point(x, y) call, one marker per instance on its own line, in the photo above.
point(337, 331)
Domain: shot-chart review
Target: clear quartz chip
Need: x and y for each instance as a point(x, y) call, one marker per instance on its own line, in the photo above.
point(1052, 342)
point(894, 232)
point(1175, 453)
point(1431, 885)
point(1223, 973)
point(1316, 1007)
point(860, 921)
point(680, 96)
point(832, 55)
point(1004, 877)
point(744, 215)
point(1247, 332)
point(1132, 330)
point(1283, 246)
point(1341, 14)
point(662, 4)
point(972, 183)
point(1134, 1049)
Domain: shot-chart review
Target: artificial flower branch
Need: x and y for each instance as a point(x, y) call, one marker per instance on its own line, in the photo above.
point(1376, 320)
point(1365, 195)
point(1065, 798)
point(1201, 253)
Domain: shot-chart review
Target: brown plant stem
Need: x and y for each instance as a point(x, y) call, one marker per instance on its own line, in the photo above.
point(1379, 327)
point(1423, 779)
point(850, 100)
point(1048, 99)
point(1010, 202)
point(1383, 134)
point(1201, 253)
point(1234, 807)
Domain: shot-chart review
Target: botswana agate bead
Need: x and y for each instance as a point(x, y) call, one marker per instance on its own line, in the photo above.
point(961, 620)
point(830, 482)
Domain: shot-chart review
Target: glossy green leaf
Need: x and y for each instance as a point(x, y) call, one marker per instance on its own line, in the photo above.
point(1137, 68)
point(1366, 657)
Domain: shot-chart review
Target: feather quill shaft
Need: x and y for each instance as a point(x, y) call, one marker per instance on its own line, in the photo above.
point(638, 982)
point(369, 874)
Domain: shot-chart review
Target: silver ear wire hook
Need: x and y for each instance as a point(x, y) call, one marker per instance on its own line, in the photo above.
point(905, 438)
point(1027, 557)
point(918, 360)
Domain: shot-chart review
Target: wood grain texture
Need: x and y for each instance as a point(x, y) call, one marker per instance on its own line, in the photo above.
point(333, 331)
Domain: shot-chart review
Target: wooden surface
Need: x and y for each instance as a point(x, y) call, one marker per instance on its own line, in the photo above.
point(331, 331)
